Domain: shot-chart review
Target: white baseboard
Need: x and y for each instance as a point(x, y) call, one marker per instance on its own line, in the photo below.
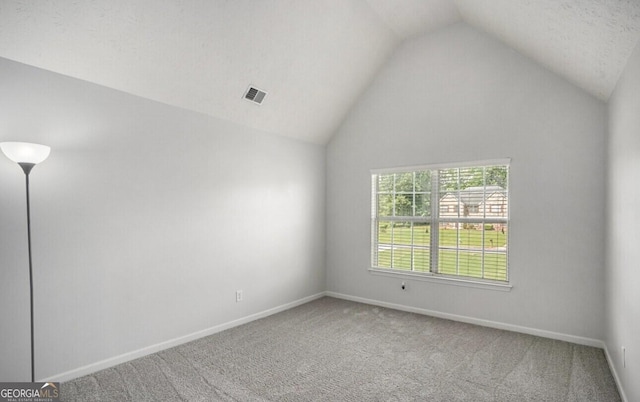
point(470, 320)
point(498, 325)
point(615, 374)
point(123, 358)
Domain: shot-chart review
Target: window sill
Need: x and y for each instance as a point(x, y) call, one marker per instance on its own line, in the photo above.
point(447, 280)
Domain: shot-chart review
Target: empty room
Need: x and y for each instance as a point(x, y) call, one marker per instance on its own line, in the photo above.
point(329, 200)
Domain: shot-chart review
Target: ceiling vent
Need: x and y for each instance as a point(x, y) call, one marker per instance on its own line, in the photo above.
point(255, 95)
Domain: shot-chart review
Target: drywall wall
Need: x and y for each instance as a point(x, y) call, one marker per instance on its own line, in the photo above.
point(623, 224)
point(458, 95)
point(146, 219)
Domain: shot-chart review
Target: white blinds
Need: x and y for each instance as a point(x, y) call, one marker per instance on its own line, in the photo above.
point(449, 220)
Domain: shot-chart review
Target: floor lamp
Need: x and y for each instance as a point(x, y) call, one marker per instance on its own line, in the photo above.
point(27, 155)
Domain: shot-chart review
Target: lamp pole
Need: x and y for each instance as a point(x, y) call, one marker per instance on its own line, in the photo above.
point(26, 167)
point(27, 155)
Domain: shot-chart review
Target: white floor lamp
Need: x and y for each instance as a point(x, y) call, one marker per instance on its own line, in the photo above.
point(27, 155)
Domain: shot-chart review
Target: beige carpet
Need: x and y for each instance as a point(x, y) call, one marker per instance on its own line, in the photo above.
point(336, 350)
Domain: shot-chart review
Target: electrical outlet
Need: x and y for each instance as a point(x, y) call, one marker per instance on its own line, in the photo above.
point(238, 296)
point(624, 357)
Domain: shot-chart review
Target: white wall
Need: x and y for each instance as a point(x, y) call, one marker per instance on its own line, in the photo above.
point(457, 95)
point(146, 219)
point(623, 218)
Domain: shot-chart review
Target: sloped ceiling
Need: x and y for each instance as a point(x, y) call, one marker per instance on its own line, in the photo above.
point(586, 41)
point(313, 57)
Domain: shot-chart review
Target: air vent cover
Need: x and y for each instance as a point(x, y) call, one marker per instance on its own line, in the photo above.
point(255, 95)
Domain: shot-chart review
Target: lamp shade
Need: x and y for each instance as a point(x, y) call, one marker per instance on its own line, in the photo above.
point(25, 152)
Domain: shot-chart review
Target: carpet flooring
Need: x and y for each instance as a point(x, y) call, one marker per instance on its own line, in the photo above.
point(337, 350)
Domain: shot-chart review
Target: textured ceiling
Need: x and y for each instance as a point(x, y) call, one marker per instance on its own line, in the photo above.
point(586, 41)
point(412, 17)
point(313, 57)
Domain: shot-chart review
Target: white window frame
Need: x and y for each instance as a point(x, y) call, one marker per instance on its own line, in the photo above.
point(434, 221)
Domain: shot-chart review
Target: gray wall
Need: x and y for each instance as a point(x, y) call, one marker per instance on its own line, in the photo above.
point(623, 218)
point(146, 219)
point(457, 95)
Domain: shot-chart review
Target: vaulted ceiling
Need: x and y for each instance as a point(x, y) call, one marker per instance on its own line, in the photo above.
point(313, 57)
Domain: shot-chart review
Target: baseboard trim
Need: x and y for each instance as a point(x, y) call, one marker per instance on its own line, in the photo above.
point(125, 357)
point(498, 325)
point(470, 320)
point(615, 374)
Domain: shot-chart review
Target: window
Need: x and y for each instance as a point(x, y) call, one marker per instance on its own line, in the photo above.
point(445, 220)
